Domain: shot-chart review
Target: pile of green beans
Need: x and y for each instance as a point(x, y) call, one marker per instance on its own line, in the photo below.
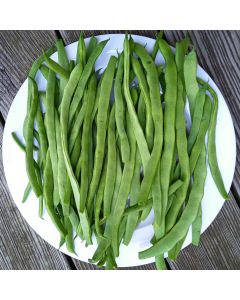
point(99, 166)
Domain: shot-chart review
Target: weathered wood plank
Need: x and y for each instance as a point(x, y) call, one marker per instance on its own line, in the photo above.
point(208, 258)
point(18, 50)
point(80, 265)
point(218, 53)
point(70, 36)
point(219, 248)
point(20, 247)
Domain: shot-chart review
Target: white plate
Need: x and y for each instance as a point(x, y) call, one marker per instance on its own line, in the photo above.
point(14, 164)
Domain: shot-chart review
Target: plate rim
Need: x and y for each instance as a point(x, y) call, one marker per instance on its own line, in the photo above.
point(121, 35)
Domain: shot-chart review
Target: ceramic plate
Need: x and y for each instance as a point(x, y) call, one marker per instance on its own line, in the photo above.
point(14, 164)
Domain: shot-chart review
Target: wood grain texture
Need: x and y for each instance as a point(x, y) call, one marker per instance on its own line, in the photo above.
point(70, 36)
point(80, 265)
point(20, 247)
point(18, 50)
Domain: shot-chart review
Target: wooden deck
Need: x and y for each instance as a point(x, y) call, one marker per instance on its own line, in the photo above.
point(21, 248)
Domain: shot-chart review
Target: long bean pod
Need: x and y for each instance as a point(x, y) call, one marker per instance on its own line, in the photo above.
point(64, 63)
point(146, 97)
point(212, 152)
point(124, 190)
point(196, 151)
point(50, 130)
point(84, 79)
point(188, 216)
point(30, 167)
point(181, 141)
point(86, 135)
point(169, 124)
point(138, 132)
point(48, 196)
point(120, 111)
point(111, 165)
point(102, 116)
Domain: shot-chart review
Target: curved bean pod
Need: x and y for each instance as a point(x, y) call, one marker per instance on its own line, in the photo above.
point(30, 167)
point(84, 79)
point(48, 196)
point(188, 216)
point(196, 151)
point(182, 143)
point(55, 67)
point(138, 132)
point(146, 97)
point(212, 153)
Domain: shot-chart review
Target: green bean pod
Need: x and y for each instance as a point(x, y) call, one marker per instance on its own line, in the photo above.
point(86, 135)
point(20, 143)
point(182, 143)
point(200, 140)
point(91, 46)
point(43, 142)
point(99, 201)
point(84, 79)
point(196, 227)
point(196, 151)
point(81, 51)
point(118, 179)
point(48, 196)
point(32, 73)
point(156, 47)
point(44, 70)
point(138, 132)
point(102, 117)
point(77, 125)
point(132, 219)
point(120, 111)
point(55, 67)
point(146, 97)
point(64, 116)
point(169, 124)
point(181, 50)
point(111, 165)
point(62, 177)
point(30, 166)
point(50, 130)
point(157, 116)
point(64, 63)
point(197, 117)
point(212, 153)
point(188, 216)
point(26, 192)
point(124, 190)
point(190, 79)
